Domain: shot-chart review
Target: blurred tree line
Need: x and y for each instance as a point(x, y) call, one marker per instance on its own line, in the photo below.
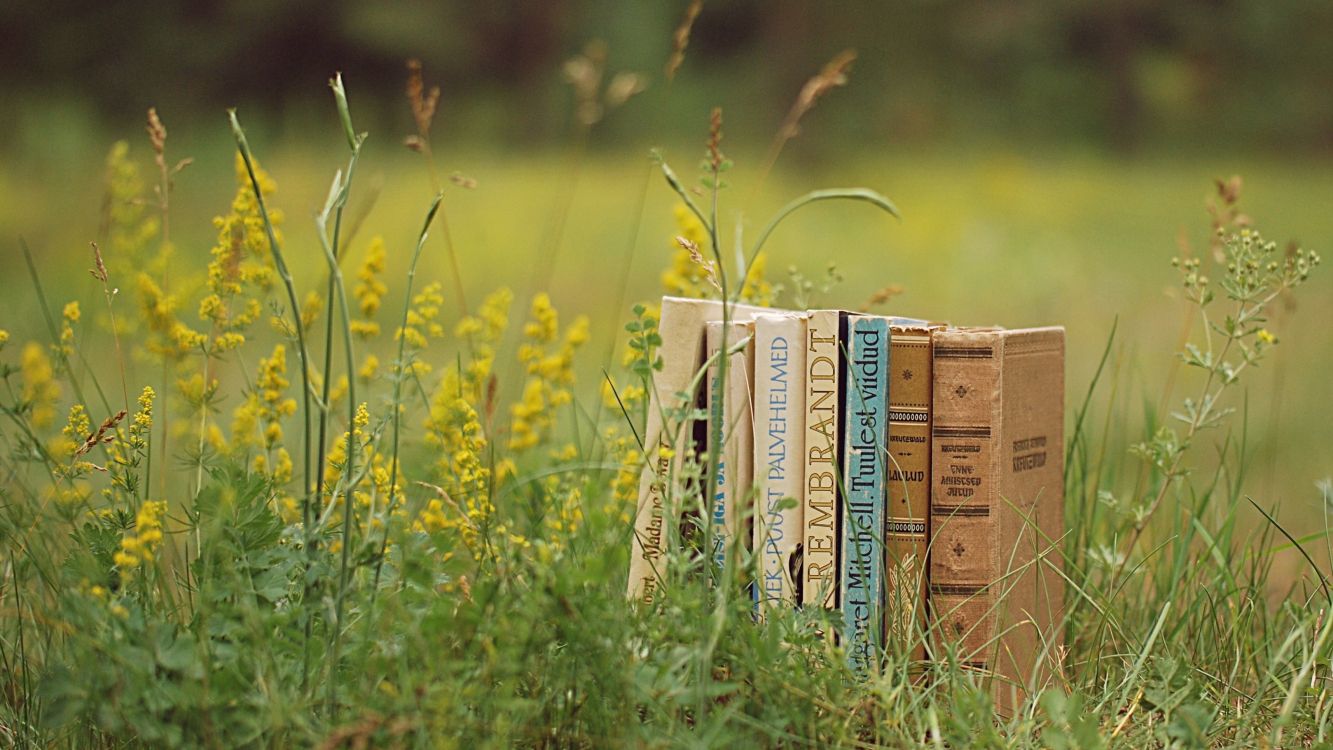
point(1119, 73)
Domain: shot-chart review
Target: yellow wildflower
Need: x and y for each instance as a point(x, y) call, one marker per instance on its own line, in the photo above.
point(170, 337)
point(369, 290)
point(139, 545)
point(757, 290)
point(370, 367)
point(482, 333)
point(549, 374)
point(456, 431)
point(422, 317)
point(257, 422)
point(77, 429)
point(40, 389)
point(241, 258)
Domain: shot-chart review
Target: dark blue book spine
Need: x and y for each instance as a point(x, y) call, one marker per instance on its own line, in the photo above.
point(865, 411)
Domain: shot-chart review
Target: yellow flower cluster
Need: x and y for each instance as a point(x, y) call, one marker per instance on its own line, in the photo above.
point(139, 545)
point(624, 451)
point(423, 317)
point(40, 389)
point(455, 429)
point(257, 423)
point(240, 259)
point(550, 374)
point(130, 446)
point(68, 317)
point(77, 429)
point(337, 458)
point(369, 290)
point(170, 337)
point(757, 290)
point(482, 333)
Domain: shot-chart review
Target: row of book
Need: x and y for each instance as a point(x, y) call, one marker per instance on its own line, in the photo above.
point(904, 473)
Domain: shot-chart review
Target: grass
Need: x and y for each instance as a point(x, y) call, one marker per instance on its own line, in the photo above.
point(457, 576)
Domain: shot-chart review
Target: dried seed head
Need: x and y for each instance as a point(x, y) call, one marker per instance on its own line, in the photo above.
point(882, 295)
point(710, 272)
point(99, 269)
point(681, 38)
point(100, 435)
point(423, 103)
point(715, 157)
point(157, 132)
point(831, 76)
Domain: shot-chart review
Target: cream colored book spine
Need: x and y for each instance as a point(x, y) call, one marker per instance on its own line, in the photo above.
point(821, 501)
point(730, 514)
point(779, 455)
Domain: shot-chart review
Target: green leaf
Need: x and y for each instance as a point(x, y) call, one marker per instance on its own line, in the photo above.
point(850, 194)
point(175, 653)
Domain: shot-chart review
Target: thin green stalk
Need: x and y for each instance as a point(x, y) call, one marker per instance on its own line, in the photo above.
point(354, 143)
point(398, 390)
point(285, 274)
point(338, 195)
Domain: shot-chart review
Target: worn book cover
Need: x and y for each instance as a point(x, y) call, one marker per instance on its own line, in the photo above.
point(731, 442)
point(779, 451)
point(908, 511)
point(997, 504)
point(666, 436)
point(865, 407)
point(821, 502)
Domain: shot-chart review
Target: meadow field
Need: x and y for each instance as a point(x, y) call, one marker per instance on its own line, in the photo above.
point(452, 572)
point(988, 236)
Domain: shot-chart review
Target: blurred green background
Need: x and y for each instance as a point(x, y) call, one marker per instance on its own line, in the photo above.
point(1048, 157)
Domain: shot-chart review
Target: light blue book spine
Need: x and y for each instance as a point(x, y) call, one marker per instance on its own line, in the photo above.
point(865, 437)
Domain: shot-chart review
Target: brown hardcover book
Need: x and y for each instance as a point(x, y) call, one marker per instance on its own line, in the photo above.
point(908, 513)
point(997, 504)
point(668, 439)
point(821, 533)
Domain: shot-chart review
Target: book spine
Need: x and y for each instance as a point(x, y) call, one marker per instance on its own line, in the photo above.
point(1028, 582)
point(865, 438)
point(779, 441)
point(735, 452)
point(964, 453)
point(907, 515)
point(820, 501)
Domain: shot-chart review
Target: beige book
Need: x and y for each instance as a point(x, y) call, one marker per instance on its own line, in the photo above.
point(997, 504)
point(823, 432)
point(681, 327)
point(779, 454)
point(731, 514)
